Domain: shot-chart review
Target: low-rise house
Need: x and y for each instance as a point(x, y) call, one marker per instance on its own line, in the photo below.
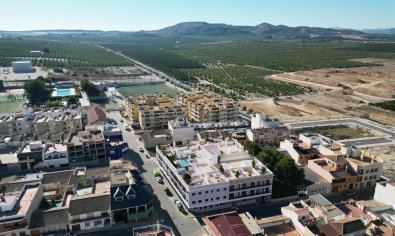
point(89, 211)
point(85, 146)
point(155, 138)
point(17, 206)
point(232, 224)
point(262, 121)
point(385, 192)
point(30, 155)
point(181, 131)
point(277, 225)
point(9, 162)
point(348, 227)
point(215, 175)
point(55, 155)
point(268, 136)
point(130, 202)
point(298, 151)
point(95, 118)
point(336, 172)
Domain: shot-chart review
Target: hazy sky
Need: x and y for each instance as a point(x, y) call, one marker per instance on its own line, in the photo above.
point(131, 15)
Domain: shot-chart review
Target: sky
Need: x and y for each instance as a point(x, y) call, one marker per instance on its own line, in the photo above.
point(133, 15)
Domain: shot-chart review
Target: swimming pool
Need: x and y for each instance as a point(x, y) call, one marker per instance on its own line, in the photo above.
point(63, 92)
point(184, 163)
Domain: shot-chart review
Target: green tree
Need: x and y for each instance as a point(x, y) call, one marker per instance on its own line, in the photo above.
point(263, 171)
point(288, 174)
point(237, 174)
point(72, 100)
point(90, 89)
point(36, 91)
point(253, 148)
point(221, 169)
point(53, 103)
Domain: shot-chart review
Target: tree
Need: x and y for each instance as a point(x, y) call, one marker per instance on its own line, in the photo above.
point(253, 163)
point(263, 171)
point(221, 169)
point(72, 100)
point(253, 148)
point(36, 91)
point(53, 103)
point(90, 89)
point(288, 174)
point(237, 174)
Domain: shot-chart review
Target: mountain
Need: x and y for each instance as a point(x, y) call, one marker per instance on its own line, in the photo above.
point(379, 31)
point(204, 28)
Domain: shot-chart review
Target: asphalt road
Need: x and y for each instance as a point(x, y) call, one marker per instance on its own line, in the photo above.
point(164, 206)
point(367, 142)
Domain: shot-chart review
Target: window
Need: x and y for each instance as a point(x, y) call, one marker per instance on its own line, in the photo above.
point(225, 189)
point(217, 198)
point(217, 189)
point(206, 200)
point(118, 199)
point(224, 197)
point(212, 199)
point(141, 209)
point(193, 194)
point(97, 222)
point(200, 193)
point(193, 202)
point(87, 224)
point(132, 210)
point(200, 201)
point(206, 191)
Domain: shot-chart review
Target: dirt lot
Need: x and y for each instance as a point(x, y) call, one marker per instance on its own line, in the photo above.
point(341, 132)
point(387, 153)
point(375, 81)
point(290, 110)
point(106, 72)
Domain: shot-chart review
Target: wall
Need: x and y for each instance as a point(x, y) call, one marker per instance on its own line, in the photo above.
point(385, 193)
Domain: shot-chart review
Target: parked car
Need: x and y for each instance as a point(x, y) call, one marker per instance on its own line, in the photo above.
point(159, 180)
point(141, 149)
point(168, 192)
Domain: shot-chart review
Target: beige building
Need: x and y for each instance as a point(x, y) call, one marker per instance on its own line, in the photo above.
point(86, 146)
point(41, 121)
point(152, 111)
point(208, 107)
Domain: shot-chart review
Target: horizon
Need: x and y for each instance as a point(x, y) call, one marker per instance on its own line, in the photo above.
point(152, 15)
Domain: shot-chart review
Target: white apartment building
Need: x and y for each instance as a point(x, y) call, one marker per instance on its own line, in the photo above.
point(385, 192)
point(55, 155)
point(41, 121)
point(215, 175)
point(181, 131)
point(261, 120)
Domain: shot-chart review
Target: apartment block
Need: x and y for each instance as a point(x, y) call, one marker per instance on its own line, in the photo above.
point(30, 155)
point(368, 168)
point(152, 112)
point(181, 130)
point(208, 107)
point(41, 121)
point(55, 155)
point(215, 175)
point(86, 146)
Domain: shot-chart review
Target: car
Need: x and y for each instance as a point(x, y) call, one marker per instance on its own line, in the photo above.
point(141, 149)
point(159, 180)
point(168, 192)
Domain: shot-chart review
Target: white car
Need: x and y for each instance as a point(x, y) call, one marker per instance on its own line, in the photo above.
point(159, 180)
point(141, 149)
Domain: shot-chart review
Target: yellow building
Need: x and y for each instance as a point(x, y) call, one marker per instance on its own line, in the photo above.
point(152, 111)
point(208, 107)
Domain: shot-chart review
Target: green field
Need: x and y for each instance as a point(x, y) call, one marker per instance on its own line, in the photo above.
point(56, 53)
point(149, 89)
point(6, 107)
point(337, 132)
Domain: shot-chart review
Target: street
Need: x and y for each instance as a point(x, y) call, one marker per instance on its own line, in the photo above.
point(164, 207)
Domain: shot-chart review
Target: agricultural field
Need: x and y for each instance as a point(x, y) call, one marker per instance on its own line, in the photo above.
point(244, 63)
point(56, 53)
point(147, 89)
point(338, 132)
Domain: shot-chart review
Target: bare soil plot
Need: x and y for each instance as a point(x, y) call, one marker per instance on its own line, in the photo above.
point(387, 154)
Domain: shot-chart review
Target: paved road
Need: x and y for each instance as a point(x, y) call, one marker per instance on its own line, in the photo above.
point(368, 142)
point(165, 209)
point(369, 124)
point(150, 69)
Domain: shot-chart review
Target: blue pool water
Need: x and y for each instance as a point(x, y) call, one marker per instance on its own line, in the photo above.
point(63, 92)
point(184, 163)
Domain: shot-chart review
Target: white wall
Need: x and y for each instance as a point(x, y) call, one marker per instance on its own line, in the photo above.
point(385, 194)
